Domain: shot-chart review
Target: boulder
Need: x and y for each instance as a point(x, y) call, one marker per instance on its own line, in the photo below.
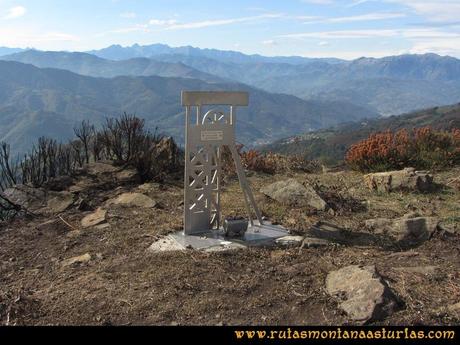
point(362, 293)
point(76, 260)
point(294, 193)
point(59, 201)
point(400, 180)
point(406, 231)
point(166, 152)
point(133, 200)
point(28, 197)
point(94, 218)
point(127, 175)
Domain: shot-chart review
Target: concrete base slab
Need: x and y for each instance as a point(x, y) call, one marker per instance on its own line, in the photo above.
point(165, 244)
point(256, 235)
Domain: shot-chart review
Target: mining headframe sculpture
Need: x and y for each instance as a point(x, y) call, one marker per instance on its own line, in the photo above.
point(210, 119)
point(206, 133)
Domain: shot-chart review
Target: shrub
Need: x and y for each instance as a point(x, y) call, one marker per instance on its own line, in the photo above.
point(123, 140)
point(422, 148)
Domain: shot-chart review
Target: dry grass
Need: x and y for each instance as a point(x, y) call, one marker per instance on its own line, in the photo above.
point(122, 284)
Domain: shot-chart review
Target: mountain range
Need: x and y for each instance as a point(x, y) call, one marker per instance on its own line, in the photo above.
point(91, 65)
point(49, 91)
point(117, 52)
point(44, 101)
point(389, 86)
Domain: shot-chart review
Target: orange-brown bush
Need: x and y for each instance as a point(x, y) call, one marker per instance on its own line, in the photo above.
point(422, 148)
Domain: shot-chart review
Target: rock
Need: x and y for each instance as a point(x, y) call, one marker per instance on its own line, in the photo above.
point(28, 197)
point(400, 180)
point(127, 175)
point(226, 247)
point(133, 200)
point(335, 234)
point(405, 231)
point(363, 295)
point(53, 227)
point(76, 260)
point(38, 200)
point(293, 193)
point(94, 218)
point(149, 187)
point(454, 308)
point(59, 202)
point(312, 242)
point(102, 226)
point(379, 225)
point(289, 241)
point(166, 153)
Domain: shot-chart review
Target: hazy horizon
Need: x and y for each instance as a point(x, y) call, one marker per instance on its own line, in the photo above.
point(227, 50)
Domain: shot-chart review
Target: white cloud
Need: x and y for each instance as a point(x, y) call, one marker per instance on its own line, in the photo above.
point(16, 12)
point(344, 34)
point(173, 24)
point(358, 18)
point(219, 22)
point(269, 43)
point(359, 2)
point(439, 10)
point(128, 15)
point(307, 18)
point(323, 43)
point(405, 33)
point(160, 22)
point(440, 46)
point(429, 34)
point(424, 40)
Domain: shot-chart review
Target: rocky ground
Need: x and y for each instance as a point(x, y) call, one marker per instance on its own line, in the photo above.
point(81, 255)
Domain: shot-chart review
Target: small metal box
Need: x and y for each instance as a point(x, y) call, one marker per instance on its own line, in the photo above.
point(235, 226)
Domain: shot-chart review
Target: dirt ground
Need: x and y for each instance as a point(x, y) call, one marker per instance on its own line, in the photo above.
point(123, 284)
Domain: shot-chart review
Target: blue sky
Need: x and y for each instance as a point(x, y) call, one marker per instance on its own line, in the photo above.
point(313, 28)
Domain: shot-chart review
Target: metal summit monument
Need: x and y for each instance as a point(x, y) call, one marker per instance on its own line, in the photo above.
point(206, 132)
point(210, 118)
